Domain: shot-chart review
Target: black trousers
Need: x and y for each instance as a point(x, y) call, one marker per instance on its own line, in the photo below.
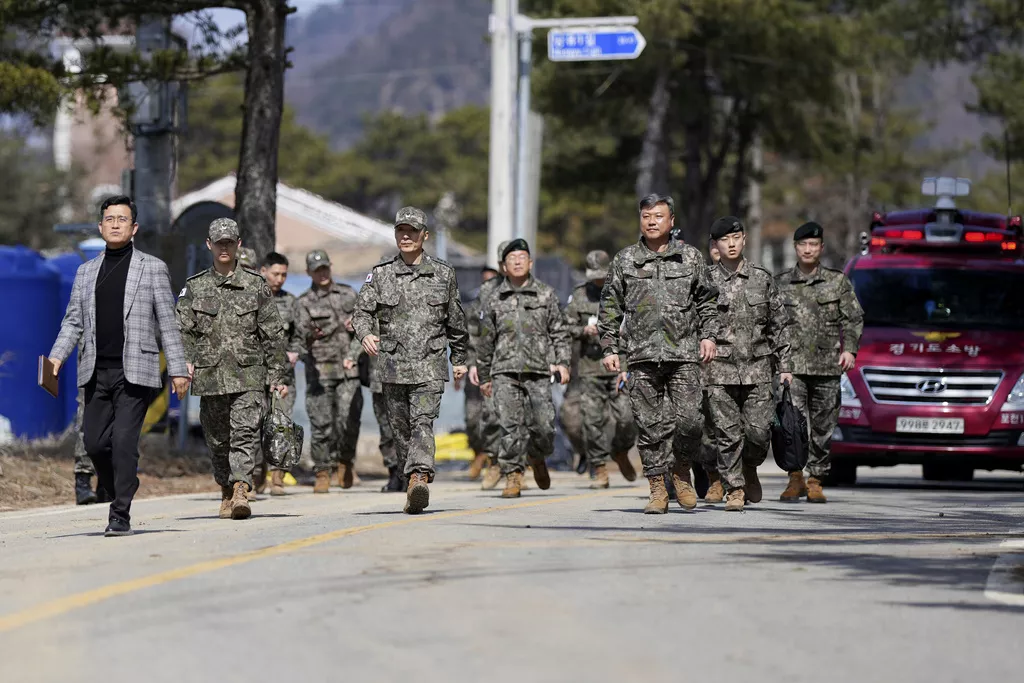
point(114, 411)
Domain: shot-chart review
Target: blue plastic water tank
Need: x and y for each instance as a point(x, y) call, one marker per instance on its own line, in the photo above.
point(67, 266)
point(32, 292)
point(91, 248)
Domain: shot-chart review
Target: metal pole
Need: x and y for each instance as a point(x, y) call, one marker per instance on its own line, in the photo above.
point(500, 207)
point(522, 137)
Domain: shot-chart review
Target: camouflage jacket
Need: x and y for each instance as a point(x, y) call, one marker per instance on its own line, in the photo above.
point(418, 310)
point(827, 318)
point(522, 331)
point(232, 333)
point(322, 335)
point(583, 307)
point(753, 342)
point(286, 310)
point(666, 300)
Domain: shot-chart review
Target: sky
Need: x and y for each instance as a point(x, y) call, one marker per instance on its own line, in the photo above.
point(226, 18)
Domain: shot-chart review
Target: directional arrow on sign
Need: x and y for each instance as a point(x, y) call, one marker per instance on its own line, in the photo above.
point(591, 44)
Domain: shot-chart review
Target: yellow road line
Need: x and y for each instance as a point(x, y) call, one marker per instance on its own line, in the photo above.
point(809, 537)
point(70, 603)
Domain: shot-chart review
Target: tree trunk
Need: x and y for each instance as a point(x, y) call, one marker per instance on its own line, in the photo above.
point(652, 168)
point(256, 190)
point(738, 190)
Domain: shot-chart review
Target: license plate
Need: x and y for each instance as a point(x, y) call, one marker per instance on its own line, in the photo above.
point(930, 425)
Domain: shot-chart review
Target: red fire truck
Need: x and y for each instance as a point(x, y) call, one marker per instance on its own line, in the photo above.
point(939, 379)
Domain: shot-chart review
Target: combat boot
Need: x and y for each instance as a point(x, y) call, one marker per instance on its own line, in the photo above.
point(259, 479)
point(621, 458)
point(795, 489)
point(396, 482)
point(477, 466)
point(814, 492)
point(513, 485)
point(239, 502)
point(752, 490)
point(225, 502)
point(491, 477)
point(600, 478)
point(84, 495)
point(323, 482)
point(417, 498)
point(658, 504)
point(685, 495)
point(734, 501)
point(277, 483)
point(540, 473)
point(346, 475)
point(716, 492)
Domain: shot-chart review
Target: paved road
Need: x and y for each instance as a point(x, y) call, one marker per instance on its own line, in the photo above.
point(891, 581)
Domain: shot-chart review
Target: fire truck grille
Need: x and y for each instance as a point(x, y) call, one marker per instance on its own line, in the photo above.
point(932, 387)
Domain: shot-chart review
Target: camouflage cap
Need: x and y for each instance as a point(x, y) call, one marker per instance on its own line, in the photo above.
point(411, 216)
point(501, 249)
point(223, 229)
point(247, 257)
point(316, 259)
point(597, 265)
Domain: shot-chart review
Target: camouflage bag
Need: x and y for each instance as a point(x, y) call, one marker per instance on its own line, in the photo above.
point(282, 438)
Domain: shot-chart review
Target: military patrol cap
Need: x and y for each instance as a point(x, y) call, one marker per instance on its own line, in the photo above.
point(247, 257)
point(807, 231)
point(726, 225)
point(223, 229)
point(501, 249)
point(316, 259)
point(597, 265)
point(411, 216)
point(518, 244)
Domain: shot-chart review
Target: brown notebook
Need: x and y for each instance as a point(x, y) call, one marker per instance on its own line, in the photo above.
point(47, 380)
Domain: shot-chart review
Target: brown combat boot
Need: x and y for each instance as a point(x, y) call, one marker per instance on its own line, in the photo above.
point(277, 483)
point(734, 501)
point(600, 477)
point(795, 489)
point(491, 477)
point(814, 492)
point(513, 485)
point(621, 459)
point(715, 492)
point(323, 482)
point(658, 504)
point(685, 495)
point(417, 497)
point(752, 490)
point(540, 473)
point(477, 466)
point(345, 475)
point(239, 502)
point(225, 501)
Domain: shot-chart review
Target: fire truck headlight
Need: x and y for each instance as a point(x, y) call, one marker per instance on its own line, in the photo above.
point(846, 391)
point(1015, 401)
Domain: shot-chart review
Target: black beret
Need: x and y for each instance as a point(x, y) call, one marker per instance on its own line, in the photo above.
point(726, 225)
point(807, 231)
point(515, 245)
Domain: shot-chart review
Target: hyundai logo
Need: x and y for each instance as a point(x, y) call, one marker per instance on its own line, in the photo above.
point(931, 386)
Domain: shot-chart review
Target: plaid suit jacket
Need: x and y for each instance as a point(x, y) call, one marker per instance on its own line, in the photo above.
point(148, 320)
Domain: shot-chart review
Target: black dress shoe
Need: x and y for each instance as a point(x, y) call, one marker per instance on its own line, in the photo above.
point(83, 489)
point(118, 527)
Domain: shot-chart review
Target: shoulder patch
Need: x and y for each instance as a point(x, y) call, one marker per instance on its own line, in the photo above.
point(182, 292)
point(369, 277)
point(569, 300)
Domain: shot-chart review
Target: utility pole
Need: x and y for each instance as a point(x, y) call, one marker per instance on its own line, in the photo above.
point(500, 206)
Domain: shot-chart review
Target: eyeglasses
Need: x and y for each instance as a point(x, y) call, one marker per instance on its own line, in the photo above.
point(120, 220)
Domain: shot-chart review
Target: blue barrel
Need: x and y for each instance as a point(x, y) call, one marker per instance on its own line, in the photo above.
point(91, 248)
point(31, 289)
point(67, 266)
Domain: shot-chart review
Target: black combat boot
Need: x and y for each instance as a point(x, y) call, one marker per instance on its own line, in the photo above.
point(84, 495)
point(396, 482)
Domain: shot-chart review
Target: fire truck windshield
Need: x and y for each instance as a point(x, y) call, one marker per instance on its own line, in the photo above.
point(944, 298)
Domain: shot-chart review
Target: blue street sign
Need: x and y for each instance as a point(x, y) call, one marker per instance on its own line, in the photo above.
point(594, 44)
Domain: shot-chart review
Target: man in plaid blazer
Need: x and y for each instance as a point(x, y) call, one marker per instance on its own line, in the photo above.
point(121, 309)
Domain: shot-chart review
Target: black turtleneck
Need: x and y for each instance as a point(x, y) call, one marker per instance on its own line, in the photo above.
point(110, 306)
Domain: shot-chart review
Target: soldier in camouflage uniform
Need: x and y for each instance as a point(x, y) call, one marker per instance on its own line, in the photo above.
point(522, 330)
point(396, 478)
point(247, 258)
point(660, 289)
point(608, 429)
point(234, 342)
point(752, 345)
point(480, 427)
point(827, 325)
point(415, 300)
point(334, 397)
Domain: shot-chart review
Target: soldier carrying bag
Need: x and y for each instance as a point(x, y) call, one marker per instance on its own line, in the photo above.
point(789, 434)
point(282, 438)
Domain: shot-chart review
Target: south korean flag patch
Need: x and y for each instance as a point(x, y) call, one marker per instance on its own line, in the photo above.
point(369, 277)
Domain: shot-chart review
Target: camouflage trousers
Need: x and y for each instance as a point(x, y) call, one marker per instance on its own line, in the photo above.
point(741, 417)
point(818, 397)
point(526, 414)
point(666, 400)
point(570, 416)
point(231, 424)
point(607, 419)
point(335, 409)
point(83, 463)
point(481, 422)
point(412, 409)
point(287, 404)
point(387, 436)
